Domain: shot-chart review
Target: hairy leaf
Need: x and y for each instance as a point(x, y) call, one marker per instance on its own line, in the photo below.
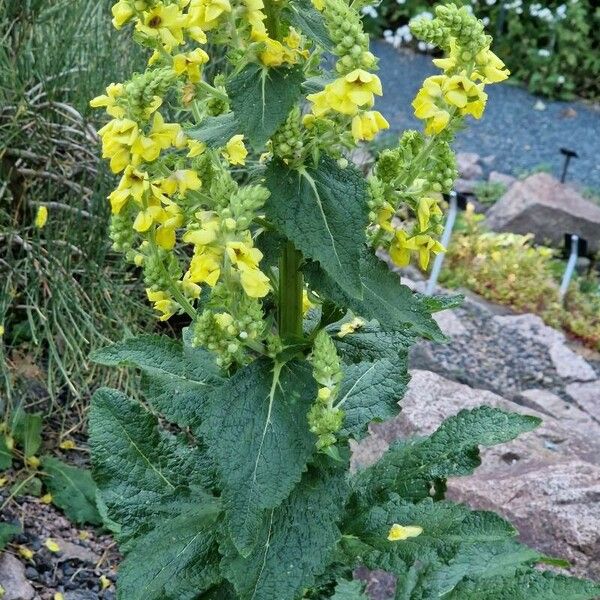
point(27, 431)
point(5, 454)
point(176, 378)
point(7, 532)
point(176, 561)
point(410, 468)
point(258, 436)
point(349, 590)
point(533, 585)
point(323, 211)
point(262, 98)
point(215, 132)
point(73, 490)
point(143, 473)
point(383, 297)
point(304, 17)
point(370, 391)
point(438, 303)
point(296, 542)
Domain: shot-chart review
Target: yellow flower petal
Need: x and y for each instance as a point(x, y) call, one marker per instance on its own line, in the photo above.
point(399, 532)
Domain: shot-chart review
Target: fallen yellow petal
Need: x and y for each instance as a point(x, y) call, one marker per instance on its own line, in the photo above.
point(46, 499)
point(25, 552)
point(67, 445)
point(52, 545)
point(399, 532)
point(105, 582)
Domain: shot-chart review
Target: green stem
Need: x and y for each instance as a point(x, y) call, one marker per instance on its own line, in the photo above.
point(290, 293)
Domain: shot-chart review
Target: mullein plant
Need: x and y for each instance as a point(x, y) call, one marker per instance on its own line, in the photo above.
point(232, 479)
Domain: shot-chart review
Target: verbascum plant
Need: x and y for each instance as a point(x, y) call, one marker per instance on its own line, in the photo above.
point(233, 480)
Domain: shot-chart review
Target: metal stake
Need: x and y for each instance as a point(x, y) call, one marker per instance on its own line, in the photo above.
point(568, 154)
point(446, 235)
point(564, 286)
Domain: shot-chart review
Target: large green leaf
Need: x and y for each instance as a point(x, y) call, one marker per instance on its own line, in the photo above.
point(143, 474)
point(176, 378)
point(258, 436)
point(533, 585)
point(383, 297)
point(323, 211)
point(215, 132)
point(370, 391)
point(262, 98)
point(410, 468)
point(176, 561)
point(72, 489)
point(304, 17)
point(296, 541)
point(27, 431)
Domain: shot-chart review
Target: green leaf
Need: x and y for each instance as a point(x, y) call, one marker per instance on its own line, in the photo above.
point(350, 590)
point(370, 391)
point(438, 303)
point(27, 431)
point(258, 436)
point(533, 585)
point(73, 490)
point(371, 343)
point(176, 379)
point(411, 467)
point(296, 541)
point(5, 454)
point(307, 19)
point(143, 474)
point(215, 132)
point(383, 297)
point(262, 98)
point(323, 211)
point(7, 532)
point(176, 561)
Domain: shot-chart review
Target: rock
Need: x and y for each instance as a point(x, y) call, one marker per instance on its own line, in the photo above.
point(547, 208)
point(468, 165)
point(587, 397)
point(449, 323)
point(13, 580)
point(567, 413)
point(570, 365)
point(71, 551)
point(547, 481)
point(465, 186)
point(503, 178)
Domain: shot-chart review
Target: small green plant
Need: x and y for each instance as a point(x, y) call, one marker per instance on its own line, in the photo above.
point(509, 269)
point(489, 192)
point(232, 480)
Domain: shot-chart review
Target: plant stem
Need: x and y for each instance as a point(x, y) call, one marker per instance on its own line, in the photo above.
point(290, 293)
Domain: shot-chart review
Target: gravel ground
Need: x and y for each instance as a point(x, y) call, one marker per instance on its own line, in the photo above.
point(518, 136)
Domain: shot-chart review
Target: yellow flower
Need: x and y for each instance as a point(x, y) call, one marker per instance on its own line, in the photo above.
point(180, 181)
point(133, 184)
point(466, 95)
point(190, 64)
point(109, 100)
point(67, 445)
point(427, 208)
point(104, 582)
point(196, 148)
point(255, 283)
point(52, 545)
point(162, 302)
point(346, 94)
point(306, 303)
point(366, 125)
point(235, 152)
point(240, 254)
point(425, 246)
point(400, 532)
point(122, 12)
point(205, 266)
point(171, 219)
point(118, 136)
point(41, 217)
point(32, 462)
point(46, 499)
point(25, 552)
point(58, 596)
point(2, 330)
point(207, 234)
point(428, 105)
point(350, 327)
point(204, 14)
point(163, 23)
point(489, 68)
point(400, 248)
point(318, 4)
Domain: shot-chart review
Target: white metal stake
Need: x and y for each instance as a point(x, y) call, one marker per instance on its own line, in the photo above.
point(564, 286)
point(446, 235)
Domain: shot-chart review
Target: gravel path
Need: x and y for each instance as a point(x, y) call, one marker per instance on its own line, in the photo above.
point(520, 137)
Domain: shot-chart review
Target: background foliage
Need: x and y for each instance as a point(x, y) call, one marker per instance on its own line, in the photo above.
point(552, 45)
